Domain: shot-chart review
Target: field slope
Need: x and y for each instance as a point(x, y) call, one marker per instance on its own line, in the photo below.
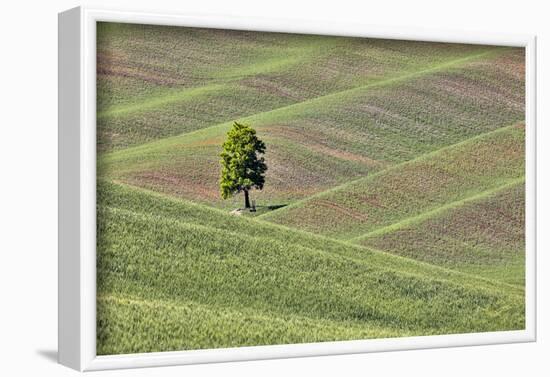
point(484, 235)
point(174, 275)
point(393, 204)
point(412, 188)
point(157, 82)
point(317, 144)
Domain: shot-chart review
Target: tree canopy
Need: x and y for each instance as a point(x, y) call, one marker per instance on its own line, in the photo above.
point(243, 166)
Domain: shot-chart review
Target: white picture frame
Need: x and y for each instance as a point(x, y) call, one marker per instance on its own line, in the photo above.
point(77, 191)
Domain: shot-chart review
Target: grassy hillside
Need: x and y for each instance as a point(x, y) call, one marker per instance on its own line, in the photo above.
point(484, 235)
point(176, 275)
point(156, 82)
point(393, 204)
point(320, 143)
point(412, 188)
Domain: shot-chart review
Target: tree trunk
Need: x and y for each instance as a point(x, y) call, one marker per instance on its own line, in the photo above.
point(246, 200)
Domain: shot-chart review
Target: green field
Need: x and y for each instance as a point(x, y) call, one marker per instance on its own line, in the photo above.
point(191, 265)
point(393, 203)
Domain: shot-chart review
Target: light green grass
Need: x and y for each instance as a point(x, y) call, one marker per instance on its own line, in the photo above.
point(163, 258)
point(193, 326)
point(161, 100)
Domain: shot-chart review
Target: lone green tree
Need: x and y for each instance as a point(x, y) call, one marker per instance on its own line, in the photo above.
point(243, 167)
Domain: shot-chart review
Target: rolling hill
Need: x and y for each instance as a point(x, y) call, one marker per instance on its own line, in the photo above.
point(483, 235)
point(393, 203)
point(177, 275)
point(320, 143)
point(413, 188)
point(158, 82)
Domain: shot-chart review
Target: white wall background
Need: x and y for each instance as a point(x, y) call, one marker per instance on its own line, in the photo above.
point(28, 184)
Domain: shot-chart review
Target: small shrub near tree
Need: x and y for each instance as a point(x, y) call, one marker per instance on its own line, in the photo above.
point(243, 166)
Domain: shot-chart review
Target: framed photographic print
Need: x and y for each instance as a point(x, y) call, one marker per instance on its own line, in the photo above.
point(238, 189)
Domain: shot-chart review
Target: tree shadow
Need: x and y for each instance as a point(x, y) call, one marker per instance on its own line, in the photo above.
point(259, 209)
point(50, 355)
point(276, 206)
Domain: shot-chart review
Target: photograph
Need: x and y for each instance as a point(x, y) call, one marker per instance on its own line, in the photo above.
point(261, 188)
